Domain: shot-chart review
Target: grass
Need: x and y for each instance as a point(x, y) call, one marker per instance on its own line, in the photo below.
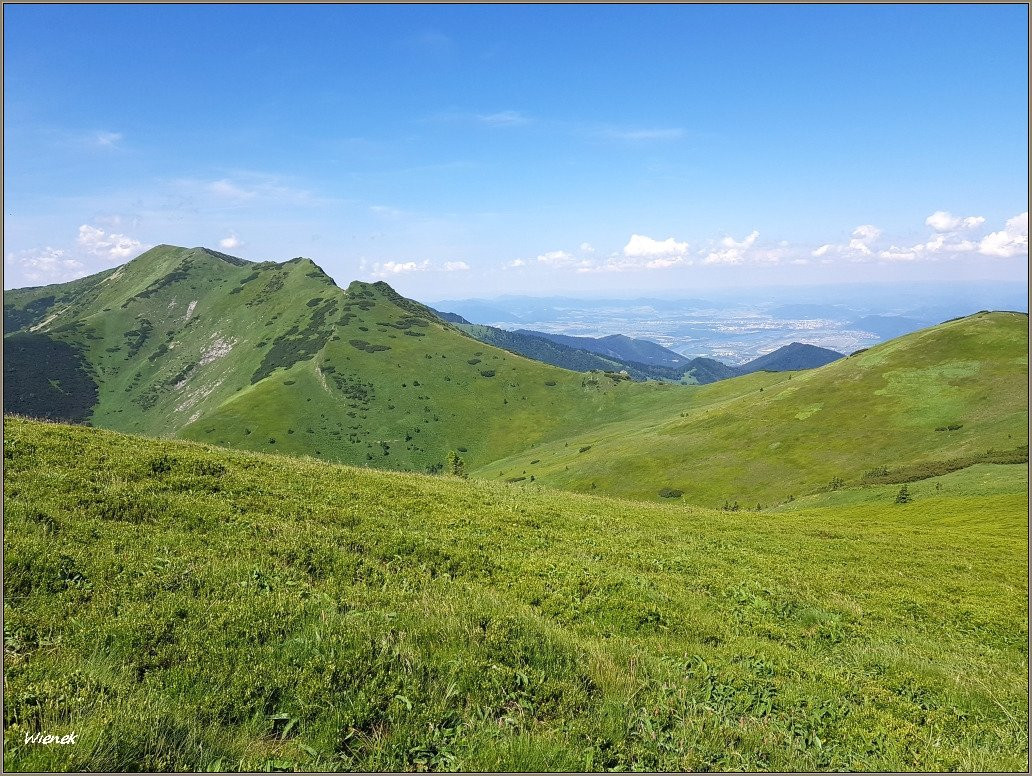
point(768, 437)
point(185, 607)
point(275, 357)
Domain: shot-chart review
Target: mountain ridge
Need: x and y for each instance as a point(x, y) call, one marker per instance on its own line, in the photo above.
point(275, 356)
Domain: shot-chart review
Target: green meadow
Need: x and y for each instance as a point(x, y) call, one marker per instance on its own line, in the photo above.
point(182, 607)
point(286, 568)
point(924, 404)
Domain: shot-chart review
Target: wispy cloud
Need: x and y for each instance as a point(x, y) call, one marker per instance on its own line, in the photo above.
point(106, 139)
point(502, 118)
point(246, 189)
point(230, 242)
point(643, 135)
point(505, 118)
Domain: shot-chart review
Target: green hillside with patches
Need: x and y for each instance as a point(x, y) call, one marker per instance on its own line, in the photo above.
point(195, 344)
point(927, 403)
point(201, 345)
point(185, 607)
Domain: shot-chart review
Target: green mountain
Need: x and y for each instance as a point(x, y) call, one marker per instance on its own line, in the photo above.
point(200, 345)
point(558, 354)
point(932, 401)
point(788, 358)
point(617, 346)
point(449, 317)
point(183, 607)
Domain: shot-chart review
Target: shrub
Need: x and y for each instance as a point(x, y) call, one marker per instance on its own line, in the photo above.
point(456, 466)
point(671, 493)
point(904, 497)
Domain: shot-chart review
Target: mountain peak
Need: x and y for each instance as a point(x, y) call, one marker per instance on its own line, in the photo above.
point(236, 261)
point(788, 358)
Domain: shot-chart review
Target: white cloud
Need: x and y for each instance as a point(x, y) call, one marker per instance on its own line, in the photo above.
point(107, 139)
point(230, 242)
point(505, 118)
point(859, 247)
point(1011, 241)
point(943, 221)
point(227, 189)
point(644, 135)
point(587, 247)
point(641, 246)
point(862, 237)
point(393, 268)
point(554, 259)
point(110, 246)
point(46, 265)
point(663, 263)
point(732, 251)
point(898, 254)
point(938, 245)
point(947, 241)
point(456, 266)
point(244, 189)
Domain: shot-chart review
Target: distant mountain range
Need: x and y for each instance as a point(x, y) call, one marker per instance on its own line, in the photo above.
point(618, 346)
point(641, 359)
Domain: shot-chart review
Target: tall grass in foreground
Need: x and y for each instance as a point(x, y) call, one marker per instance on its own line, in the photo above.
point(187, 608)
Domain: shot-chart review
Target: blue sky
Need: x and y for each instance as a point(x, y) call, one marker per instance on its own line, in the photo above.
point(476, 150)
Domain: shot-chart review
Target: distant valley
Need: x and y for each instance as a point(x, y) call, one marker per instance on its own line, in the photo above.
point(736, 327)
point(639, 359)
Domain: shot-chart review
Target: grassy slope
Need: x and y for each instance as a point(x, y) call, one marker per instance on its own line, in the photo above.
point(766, 437)
point(185, 607)
point(424, 396)
point(176, 338)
